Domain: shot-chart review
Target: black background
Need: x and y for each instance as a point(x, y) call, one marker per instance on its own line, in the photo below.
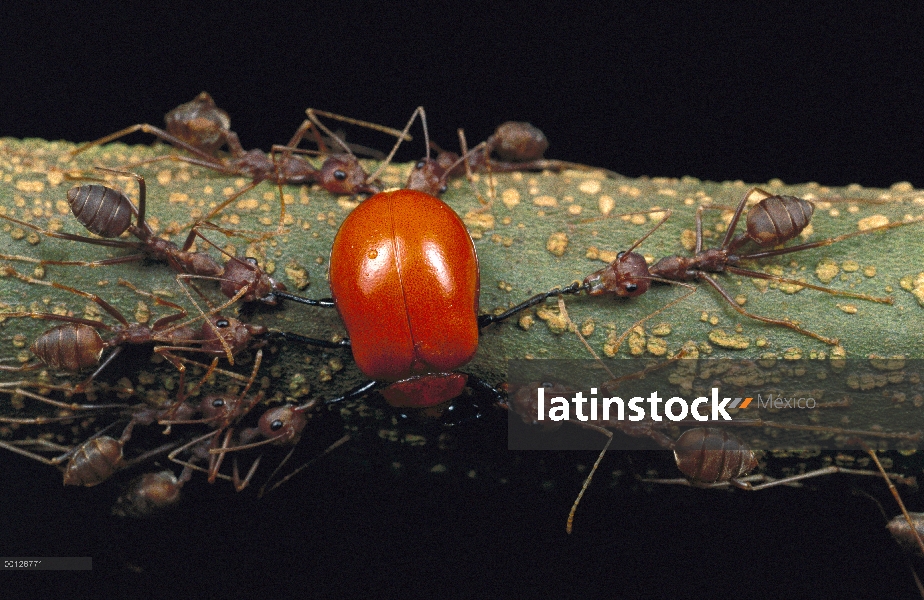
point(823, 94)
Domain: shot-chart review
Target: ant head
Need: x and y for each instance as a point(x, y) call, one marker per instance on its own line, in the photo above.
point(283, 424)
point(218, 408)
point(236, 334)
point(428, 176)
point(342, 174)
point(626, 277)
point(245, 273)
point(524, 401)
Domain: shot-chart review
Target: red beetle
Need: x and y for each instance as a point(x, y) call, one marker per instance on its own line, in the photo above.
point(404, 278)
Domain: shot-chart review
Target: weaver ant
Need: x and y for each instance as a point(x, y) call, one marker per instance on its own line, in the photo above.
point(220, 412)
point(108, 212)
point(197, 126)
point(771, 222)
point(520, 147)
point(708, 457)
point(201, 128)
point(77, 344)
point(278, 426)
point(91, 462)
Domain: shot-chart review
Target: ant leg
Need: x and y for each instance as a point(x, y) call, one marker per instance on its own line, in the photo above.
point(240, 484)
point(313, 112)
point(181, 312)
point(144, 128)
point(191, 445)
point(401, 137)
point(217, 458)
point(829, 241)
point(811, 474)
point(618, 344)
point(832, 291)
point(327, 451)
point(72, 406)
point(569, 526)
point(27, 367)
point(213, 164)
point(463, 145)
point(75, 238)
point(898, 499)
point(13, 447)
point(747, 483)
point(727, 242)
point(53, 317)
point(216, 210)
point(10, 271)
point(225, 346)
point(781, 322)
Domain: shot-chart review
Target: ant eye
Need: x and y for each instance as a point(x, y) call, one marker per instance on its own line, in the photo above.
point(222, 323)
point(443, 188)
point(420, 165)
point(276, 425)
point(339, 175)
point(218, 402)
point(630, 287)
point(620, 254)
point(251, 260)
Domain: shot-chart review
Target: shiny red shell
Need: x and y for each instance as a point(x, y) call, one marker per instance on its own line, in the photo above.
point(404, 276)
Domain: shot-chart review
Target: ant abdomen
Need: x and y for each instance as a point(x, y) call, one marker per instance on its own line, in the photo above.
point(104, 211)
point(517, 141)
point(148, 495)
point(709, 455)
point(778, 219)
point(906, 537)
point(70, 347)
point(200, 123)
point(94, 462)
